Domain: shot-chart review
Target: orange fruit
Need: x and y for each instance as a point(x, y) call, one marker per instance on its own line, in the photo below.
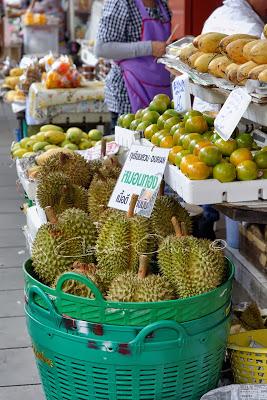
point(261, 159)
point(244, 140)
point(179, 157)
point(174, 128)
point(196, 124)
point(173, 153)
point(150, 131)
point(194, 142)
point(224, 172)
point(186, 161)
point(177, 135)
point(240, 155)
point(187, 139)
point(247, 170)
point(198, 170)
point(191, 113)
point(200, 145)
point(155, 139)
point(226, 146)
point(172, 121)
point(167, 142)
point(161, 121)
point(210, 155)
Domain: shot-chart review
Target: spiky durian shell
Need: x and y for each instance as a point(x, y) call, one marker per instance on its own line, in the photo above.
point(56, 247)
point(98, 196)
point(57, 191)
point(164, 209)
point(73, 165)
point(123, 288)
point(154, 288)
point(192, 265)
point(77, 288)
point(121, 240)
point(50, 257)
point(128, 287)
point(78, 225)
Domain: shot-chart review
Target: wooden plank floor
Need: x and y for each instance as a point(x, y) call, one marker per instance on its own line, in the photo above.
point(18, 374)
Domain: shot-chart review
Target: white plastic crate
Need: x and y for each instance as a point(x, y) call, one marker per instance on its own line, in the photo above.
point(208, 191)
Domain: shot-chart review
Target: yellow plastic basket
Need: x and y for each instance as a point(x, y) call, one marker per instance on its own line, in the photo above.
point(248, 355)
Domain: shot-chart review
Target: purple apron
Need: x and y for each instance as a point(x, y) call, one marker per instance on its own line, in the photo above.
point(144, 78)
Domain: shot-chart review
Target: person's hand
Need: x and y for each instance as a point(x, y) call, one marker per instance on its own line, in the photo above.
point(158, 49)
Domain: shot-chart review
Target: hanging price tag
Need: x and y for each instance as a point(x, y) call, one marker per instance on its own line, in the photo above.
point(142, 174)
point(181, 93)
point(231, 112)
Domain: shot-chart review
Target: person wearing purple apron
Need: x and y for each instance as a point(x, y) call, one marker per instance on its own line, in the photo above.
point(134, 35)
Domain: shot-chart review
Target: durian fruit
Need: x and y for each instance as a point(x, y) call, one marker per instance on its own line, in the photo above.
point(120, 242)
point(56, 190)
point(132, 287)
point(193, 266)
point(251, 318)
point(70, 237)
point(77, 288)
point(164, 209)
point(73, 165)
point(100, 190)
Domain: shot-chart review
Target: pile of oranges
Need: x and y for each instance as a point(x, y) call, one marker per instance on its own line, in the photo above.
point(195, 148)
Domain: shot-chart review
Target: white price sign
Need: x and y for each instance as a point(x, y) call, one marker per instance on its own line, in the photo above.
point(181, 93)
point(231, 112)
point(142, 174)
point(94, 153)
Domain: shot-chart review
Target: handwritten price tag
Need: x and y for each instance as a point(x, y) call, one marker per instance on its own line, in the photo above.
point(181, 93)
point(231, 112)
point(142, 174)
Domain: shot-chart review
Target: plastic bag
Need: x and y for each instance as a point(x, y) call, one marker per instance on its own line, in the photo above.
point(238, 392)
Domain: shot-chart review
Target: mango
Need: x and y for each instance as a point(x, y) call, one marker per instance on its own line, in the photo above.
point(47, 128)
point(54, 137)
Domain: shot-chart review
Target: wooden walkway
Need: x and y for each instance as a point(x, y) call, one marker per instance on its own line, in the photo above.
point(18, 374)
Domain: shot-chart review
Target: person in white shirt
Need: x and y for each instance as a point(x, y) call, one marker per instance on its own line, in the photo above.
point(238, 16)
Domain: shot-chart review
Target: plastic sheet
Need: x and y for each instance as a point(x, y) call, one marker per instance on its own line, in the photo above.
point(238, 392)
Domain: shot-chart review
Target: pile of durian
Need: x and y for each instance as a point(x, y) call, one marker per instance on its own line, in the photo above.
point(235, 57)
point(117, 250)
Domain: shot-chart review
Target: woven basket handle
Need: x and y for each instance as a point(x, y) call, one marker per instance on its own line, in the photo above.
point(50, 312)
point(82, 279)
point(140, 339)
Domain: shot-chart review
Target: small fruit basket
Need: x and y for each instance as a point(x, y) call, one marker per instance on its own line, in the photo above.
point(169, 365)
point(248, 355)
point(98, 310)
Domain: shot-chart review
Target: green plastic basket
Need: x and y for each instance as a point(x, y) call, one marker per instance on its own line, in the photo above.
point(117, 332)
point(77, 368)
point(99, 310)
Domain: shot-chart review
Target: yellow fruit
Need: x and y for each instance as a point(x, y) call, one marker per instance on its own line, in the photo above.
point(200, 145)
point(54, 137)
point(231, 72)
point(173, 153)
point(227, 147)
point(188, 138)
point(231, 38)
point(234, 50)
point(240, 155)
point(19, 153)
point(263, 76)
point(24, 141)
point(193, 57)
point(258, 53)
point(247, 48)
point(197, 38)
point(39, 137)
point(167, 142)
point(244, 69)
point(29, 145)
point(202, 62)
point(218, 65)
point(47, 128)
point(254, 73)
point(209, 43)
point(28, 154)
point(186, 52)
